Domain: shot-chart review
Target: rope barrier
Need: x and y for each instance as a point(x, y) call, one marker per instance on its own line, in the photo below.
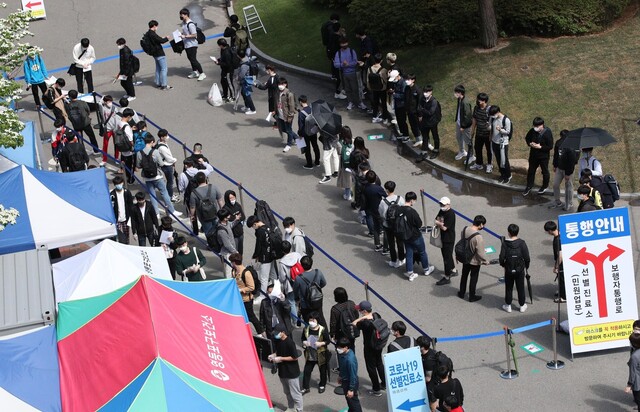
point(113, 57)
point(532, 326)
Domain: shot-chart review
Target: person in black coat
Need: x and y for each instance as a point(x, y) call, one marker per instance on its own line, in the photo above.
point(540, 141)
point(274, 305)
point(144, 221)
point(73, 157)
point(237, 218)
point(121, 196)
point(514, 257)
point(158, 55)
point(271, 86)
point(126, 69)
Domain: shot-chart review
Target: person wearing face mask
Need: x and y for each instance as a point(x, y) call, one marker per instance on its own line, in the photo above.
point(481, 128)
point(501, 130)
point(589, 161)
point(349, 374)
point(189, 261)
point(390, 239)
point(429, 115)
point(122, 203)
point(83, 56)
point(59, 138)
point(226, 70)
point(564, 164)
point(372, 356)
point(413, 99)
point(479, 258)
point(587, 204)
point(189, 35)
point(286, 357)
point(144, 221)
point(415, 241)
point(464, 120)
point(225, 238)
point(246, 287)
point(74, 156)
point(294, 235)
point(346, 60)
point(315, 340)
point(237, 218)
point(108, 125)
point(274, 310)
point(401, 95)
point(446, 221)
point(286, 112)
point(540, 140)
point(125, 74)
point(271, 86)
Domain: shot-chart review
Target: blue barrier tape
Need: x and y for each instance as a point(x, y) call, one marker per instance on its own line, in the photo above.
point(427, 195)
point(470, 337)
point(532, 326)
point(113, 57)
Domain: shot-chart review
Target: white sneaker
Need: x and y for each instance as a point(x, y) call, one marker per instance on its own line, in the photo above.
point(250, 112)
point(461, 155)
point(476, 166)
point(401, 263)
point(418, 143)
point(340, 96)
point(430, 146)
point(523, 308)
point(192, 75)
point(350, 106)
point(201, 77)
point(286, 149)
point(102, 164)
point(506, 308)
point(175, 198)
point(376, 120)
point(412, 276)
point(392, 263)
point(471, 159)
point(362, 106)
point(386, 122)
point(131, 98)
point(489, 168)
point(177, 213)
point(429, 270)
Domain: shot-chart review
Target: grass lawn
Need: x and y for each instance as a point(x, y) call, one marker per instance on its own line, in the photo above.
point(571, 82)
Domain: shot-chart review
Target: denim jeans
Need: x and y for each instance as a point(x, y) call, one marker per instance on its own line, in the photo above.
point(168, 174)
point(161, 186)
point(286, 128)
point(419, 246)
point(161, 70)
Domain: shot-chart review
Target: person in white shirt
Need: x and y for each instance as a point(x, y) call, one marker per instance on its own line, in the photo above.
point(126, 157)
point(500, 131)
point(190, 39)
point(588, 161)
point(168, 162)
point(83, 56)
point(108, 126)
point(122, 202)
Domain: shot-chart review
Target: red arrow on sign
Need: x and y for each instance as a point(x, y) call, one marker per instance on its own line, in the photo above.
point(583, 257)
point(30, 5)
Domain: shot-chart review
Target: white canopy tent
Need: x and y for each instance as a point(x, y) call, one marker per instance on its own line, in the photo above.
point(105, 268)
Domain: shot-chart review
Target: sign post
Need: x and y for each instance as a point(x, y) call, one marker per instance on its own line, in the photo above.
point(36, 7)
point(406, 385)
point(599, 278)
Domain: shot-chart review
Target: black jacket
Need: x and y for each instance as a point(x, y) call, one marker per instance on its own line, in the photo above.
point(126, 68)
point(512, 245)
point(545, 139)
point(157, 41)
point(128, 203)
point(564, 159)
point(281, 309)
point(449, 218)
point(427, 111)
point(271, 86)
point(414, 221)
point(144, 225)
point(236, 210)
point(69, 150)
point(226, 59)
point(262, 251)
point(413, 98)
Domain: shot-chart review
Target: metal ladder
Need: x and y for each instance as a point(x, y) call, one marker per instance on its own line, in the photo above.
point(253, 19)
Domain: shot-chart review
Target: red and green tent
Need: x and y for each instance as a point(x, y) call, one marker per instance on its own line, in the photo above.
point(160, 345)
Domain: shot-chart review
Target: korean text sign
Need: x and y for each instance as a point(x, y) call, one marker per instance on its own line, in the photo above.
point(406, 385)
point(599, 278)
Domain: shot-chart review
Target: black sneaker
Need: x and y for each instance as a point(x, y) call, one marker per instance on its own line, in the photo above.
point(526, 191)
point(443, 281)
point(434, 154)
point(378, 248)
point(386, 252)
point(325, 179)
point(542, 190)
point(501, 180)
point(305, 391)
point(507, 180)
point(308, 167)
point(335, 174)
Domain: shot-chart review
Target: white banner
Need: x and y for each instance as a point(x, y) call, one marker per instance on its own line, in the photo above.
point(599, 278)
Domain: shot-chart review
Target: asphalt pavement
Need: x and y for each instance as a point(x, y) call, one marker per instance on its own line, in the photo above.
point(247, 149)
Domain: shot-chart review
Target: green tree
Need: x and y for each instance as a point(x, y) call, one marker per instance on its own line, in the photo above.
point(488, 24)
point(13, 29)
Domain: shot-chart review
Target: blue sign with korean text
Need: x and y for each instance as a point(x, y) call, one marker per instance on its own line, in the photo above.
point(599, 224)
point(406, 385)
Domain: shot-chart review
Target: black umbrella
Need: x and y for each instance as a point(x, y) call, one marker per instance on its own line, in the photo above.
point(528, 277)
point(587, 137)
point(328, 120)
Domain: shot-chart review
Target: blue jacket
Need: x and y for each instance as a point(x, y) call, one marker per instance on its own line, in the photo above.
point(349, 371)
point(350, 57)
point(34, 70)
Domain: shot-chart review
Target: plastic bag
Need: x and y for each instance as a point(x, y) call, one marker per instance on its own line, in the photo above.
point(214, 98)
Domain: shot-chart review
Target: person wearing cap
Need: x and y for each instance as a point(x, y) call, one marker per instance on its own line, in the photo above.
point(401, 97)
point(274, 310)
point(372, 356)
point(349, 374)
point(315, 339)
point(286, 357)
point(446, 221)
point(224, 232)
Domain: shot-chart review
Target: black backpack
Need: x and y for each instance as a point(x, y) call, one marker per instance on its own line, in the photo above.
point(401, 227)
point(257, 286)
point(513, 260)
point(598, 183)
point(443, 360)
point(438, 113)
point(121, 140)
point(47, 98)
point(76, 162)
point(504, 122)
point(265, 214)
point(76, 116)
point(147, 46)
point(308, 247)
point(206, 207)
point(348, 330)
point(375, 80)
point(392, 211)
point(213, 241)
point(275, 243)
point(381, 332)
point(149, 166)
point(135, 64)
point(190, 188)
point(254, 69)
point(613, 186)
point(462, 249)
point(314, 293)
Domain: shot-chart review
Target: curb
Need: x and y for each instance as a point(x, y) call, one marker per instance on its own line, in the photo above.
point(432, 162)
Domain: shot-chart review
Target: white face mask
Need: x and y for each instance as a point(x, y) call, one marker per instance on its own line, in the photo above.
point(58, 129)
point(312, 325)
point(340, 351)
point(288, 230)
point(119, 187)
point(538, 129)
point(585, 155)
point(109, 105)
point(184, 249)
point(281, 87)
point(444, 208)
point(427, 95)
point(120, 47)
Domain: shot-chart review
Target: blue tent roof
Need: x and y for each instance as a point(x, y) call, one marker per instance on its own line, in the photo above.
point(27, 153)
